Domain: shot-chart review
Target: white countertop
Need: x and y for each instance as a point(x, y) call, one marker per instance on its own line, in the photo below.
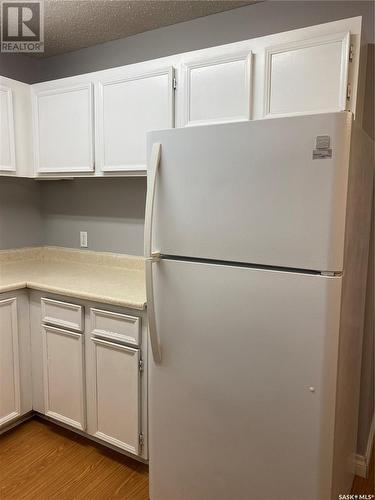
point(98, 276)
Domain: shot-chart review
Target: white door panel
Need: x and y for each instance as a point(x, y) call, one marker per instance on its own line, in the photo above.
point(251, 192)
point(128, 108)
point(216, 89)
point(63, 374)
point(117, 394)
point(64, 129)
point(246, 383)
point(307, 76)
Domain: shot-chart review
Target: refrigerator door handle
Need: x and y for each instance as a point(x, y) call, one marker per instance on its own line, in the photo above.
point(151, 257)
point(154, 337)
point(151, 183)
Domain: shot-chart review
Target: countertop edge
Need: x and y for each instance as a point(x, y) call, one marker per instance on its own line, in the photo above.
point(140, 306)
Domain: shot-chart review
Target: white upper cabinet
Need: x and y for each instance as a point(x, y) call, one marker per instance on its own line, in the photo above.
point(96, 124)
point(130, 104)
point(306, 76)
point(216, 89)
point(64, 129)
point(7, 143)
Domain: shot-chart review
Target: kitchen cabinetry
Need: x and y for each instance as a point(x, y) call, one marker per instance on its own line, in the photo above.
point(130, 104)
point(116, 372)
point(15, 387)
point(7, 145)
point(63, 128)
point(96, 124)
point(16, 157)
point(63, 369)
point(10, 400)
point(307, 76)
point(216, 89)
point(89, 367)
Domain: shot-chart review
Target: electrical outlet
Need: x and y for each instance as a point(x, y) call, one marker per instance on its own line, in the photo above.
point(83, 239)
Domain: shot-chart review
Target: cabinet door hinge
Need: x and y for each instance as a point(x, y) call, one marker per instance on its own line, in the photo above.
point(140, 365)
point(348, 92)
point(141, 440)
point(351, 53)
point(174, 83)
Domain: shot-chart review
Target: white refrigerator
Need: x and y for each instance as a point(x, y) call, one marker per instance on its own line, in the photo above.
point(256, 241)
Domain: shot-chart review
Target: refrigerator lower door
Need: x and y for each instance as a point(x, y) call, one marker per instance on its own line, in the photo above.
point(256, 192)
point(242, 402)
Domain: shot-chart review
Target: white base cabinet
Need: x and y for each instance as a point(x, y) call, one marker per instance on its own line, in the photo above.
point(116, 375)
point(15, 374)
point(63, 370)
point(10, 398)
point(91, 375)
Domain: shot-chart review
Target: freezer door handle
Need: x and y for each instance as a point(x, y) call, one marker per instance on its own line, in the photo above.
point(154, 337)
point(151, 183)
point(150, 256)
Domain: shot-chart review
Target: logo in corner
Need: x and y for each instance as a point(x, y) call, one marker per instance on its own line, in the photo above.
point(22, 26)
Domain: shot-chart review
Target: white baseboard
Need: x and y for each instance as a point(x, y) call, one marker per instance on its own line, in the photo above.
point(362, 461)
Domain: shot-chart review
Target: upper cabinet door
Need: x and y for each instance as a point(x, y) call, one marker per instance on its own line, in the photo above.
point(7, 144)
point(128, 107)
point(64, 129)
point(307, 76)
point(216, 89)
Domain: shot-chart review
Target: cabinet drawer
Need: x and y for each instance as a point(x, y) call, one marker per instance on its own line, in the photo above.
point(63, 314)
point(116, 326)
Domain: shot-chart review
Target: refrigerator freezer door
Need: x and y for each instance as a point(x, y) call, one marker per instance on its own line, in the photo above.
point(242, 403)
point(255, 192)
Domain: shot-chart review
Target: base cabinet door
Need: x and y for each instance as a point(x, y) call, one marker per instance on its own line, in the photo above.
point(117, 394)
point(63, 372)
point(10, 400)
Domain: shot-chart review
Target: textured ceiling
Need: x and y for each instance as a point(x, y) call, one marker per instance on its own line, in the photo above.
point(71, 25)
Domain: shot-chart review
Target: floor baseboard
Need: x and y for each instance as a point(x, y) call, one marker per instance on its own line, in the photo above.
point(362, 461)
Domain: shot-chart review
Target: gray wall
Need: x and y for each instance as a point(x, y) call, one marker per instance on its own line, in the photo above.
point(19, 67)
point(110, 210)
point(20, 217)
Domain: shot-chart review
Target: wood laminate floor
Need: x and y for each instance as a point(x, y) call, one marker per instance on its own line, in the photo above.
point(41, 461)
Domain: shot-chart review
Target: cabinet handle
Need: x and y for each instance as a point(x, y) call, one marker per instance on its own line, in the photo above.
point(154, 337)
point(151, 257)
point(151, 183)
point(115, 345)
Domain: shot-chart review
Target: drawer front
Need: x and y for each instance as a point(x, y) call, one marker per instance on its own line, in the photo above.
point(116, 326)
point(70, 316)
